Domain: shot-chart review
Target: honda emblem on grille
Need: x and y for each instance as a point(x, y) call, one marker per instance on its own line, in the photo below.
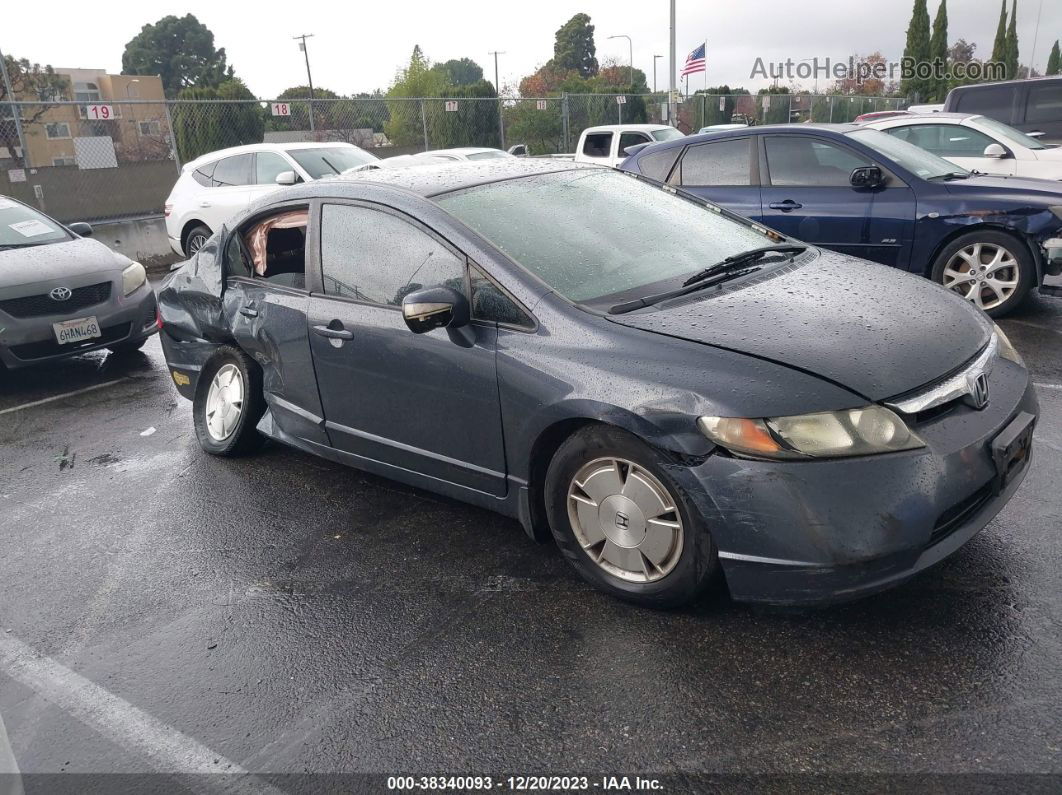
point(978, 386)
point(60, 294)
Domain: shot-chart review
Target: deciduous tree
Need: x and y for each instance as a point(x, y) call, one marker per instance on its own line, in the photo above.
point(29, 81)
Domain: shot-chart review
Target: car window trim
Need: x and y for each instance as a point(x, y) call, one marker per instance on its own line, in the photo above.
point(389, 210)
point(516, 302)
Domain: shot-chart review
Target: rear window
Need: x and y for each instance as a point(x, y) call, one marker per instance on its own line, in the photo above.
point(1045, 103)
point(994, 101)
point(203, 175)
point(657, 165)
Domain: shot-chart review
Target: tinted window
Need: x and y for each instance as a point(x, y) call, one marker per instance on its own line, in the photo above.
point(372, 256)
point(994, 101)
point(490, 303)
point(203, 174)
point(718, 163)
point(268, 165)
point(657, 165)
point(597, 144)
point(1045, 103)
point(632, 139)
point(946, 140)
point(233, 171)
point(801, 160)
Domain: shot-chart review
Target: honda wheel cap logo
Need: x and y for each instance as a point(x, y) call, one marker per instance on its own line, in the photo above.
point(60, 294)
point(979, 391)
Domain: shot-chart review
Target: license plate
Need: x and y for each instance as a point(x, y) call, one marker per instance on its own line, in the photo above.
point(77, 330)
point(1011, 448)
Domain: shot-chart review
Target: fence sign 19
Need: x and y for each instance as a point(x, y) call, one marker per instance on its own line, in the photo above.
point(281, 109)
point(621, 100)
point(541, 104)
point(451, 105)
point(99, 112)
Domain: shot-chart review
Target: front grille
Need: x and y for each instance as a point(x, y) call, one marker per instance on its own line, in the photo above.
point(957, 515)
point(42, 350)
point(41, 305)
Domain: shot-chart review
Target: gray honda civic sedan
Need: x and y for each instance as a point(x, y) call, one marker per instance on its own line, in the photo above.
point(63, 294)
point(668, 391)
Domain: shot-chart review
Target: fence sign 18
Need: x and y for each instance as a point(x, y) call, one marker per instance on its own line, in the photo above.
point(541, 104)
point(99, 112)
point(451, 105)
point(281, 109)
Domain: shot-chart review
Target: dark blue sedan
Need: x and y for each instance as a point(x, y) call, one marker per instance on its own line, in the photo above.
point(865, 193)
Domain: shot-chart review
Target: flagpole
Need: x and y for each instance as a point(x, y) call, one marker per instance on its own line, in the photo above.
point(706, 65)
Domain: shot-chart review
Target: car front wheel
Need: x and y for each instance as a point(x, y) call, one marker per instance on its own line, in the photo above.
point(624, 523)
point(228, 404)
point(991, 270)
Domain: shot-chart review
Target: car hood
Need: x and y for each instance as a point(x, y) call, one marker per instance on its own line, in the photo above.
point(1036, 191)
point(872, 329)
point(19, 266)
point(1053, 154)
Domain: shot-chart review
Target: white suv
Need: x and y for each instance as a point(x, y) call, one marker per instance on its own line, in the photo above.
point(217, 186)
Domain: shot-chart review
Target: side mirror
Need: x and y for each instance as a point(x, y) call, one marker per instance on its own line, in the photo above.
point(286, 178)
point(435, 307)
point(995, 151)
point(867, 177)
point(81, 229)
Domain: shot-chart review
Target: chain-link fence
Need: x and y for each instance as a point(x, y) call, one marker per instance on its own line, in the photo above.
point(119, 159)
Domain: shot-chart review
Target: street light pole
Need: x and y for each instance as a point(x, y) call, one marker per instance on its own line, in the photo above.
point(16, 112)
point(497, 90)
point(309, 79)
point(672, 107)
point(630, 48)
point(1036, 35)
point(654, 71)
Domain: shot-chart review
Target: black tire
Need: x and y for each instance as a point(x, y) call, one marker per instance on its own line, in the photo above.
point(1026, 270)
point(697, 561)
point(128, 347)
point(202, 231)
point(243, 438)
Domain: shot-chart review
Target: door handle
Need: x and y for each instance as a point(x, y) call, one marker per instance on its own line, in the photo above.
point(204, 204)
point(785, 206)
point(248, 312)
point(333, 333)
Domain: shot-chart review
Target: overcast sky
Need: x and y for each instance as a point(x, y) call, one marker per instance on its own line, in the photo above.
point(358, 46)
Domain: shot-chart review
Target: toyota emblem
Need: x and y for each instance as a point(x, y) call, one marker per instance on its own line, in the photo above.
point(60, 294)
point(979, 391)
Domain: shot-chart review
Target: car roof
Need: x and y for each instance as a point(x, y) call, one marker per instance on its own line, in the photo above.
point(462, 150)
point(927, 117)
point(1015, 83)
point(287, 146)
point(635, 127)
point(774, 129)
point(436, 179)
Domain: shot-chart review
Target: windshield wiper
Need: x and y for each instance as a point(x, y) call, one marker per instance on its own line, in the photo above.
point(739, 260)
point(952, 175)
point(327, 163)
point(708, 281)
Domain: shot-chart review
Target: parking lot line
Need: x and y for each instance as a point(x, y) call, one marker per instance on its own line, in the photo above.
point(1040, 385)
point(63, 396)
point(166, 748)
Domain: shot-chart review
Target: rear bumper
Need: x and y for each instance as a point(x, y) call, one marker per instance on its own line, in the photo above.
point(29, 341)
point(175, 244)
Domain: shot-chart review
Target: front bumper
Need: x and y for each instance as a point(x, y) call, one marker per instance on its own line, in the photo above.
point(125, 319)
point(825, 531)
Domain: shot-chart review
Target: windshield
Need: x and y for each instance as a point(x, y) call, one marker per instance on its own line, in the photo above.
point(916, 160)
point(1008, 133)
point(594, 233)
point(666, 134)
point(324, 162)
point(21, 226)
point(491, 155)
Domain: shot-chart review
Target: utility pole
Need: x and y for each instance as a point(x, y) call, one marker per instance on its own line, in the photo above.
point(672, 106)
point(16, 112)
point(497, 89)
point(309, 79)
point(654, 71)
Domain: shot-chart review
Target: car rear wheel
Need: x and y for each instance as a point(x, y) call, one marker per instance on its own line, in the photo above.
point(228, 404)
point(196, 239)
point(991, 270)
point(624, 523)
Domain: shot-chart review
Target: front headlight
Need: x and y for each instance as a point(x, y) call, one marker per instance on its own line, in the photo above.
point(831, 434)
point(133, 277)
point(1006, 349)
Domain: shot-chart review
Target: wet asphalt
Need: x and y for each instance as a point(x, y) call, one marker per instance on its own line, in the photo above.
point(289, 615)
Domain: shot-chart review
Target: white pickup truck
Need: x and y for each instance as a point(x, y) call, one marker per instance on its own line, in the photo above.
point(606, 144)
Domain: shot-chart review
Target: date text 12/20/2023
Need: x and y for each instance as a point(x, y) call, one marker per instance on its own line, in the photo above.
point(534, 783)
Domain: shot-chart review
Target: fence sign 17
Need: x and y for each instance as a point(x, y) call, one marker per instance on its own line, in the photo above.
point(451, 105)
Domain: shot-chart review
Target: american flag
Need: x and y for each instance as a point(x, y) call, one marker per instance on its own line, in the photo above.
point(694, 62)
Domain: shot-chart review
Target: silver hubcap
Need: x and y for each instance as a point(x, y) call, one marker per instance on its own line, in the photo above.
point(982, 273)
point(224, 403)
point(195, 242)
point(625, 520)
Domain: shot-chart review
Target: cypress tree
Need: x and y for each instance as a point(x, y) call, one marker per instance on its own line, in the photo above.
point(938, 49)
point(1054, 60)
point(1012, 43)
point(999, 46)
point(917, 50)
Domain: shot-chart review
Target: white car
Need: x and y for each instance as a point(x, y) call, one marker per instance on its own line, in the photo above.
point(608, 143)
point(466, 153)
point(215, 187)
point(720, 128)
point(977, 143)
